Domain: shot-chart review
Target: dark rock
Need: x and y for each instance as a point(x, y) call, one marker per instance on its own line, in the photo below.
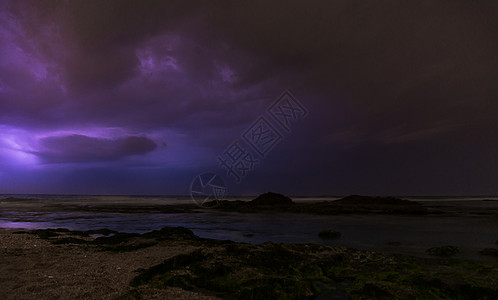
point(389, 205)
point(271, 199)
point(45, 233)
point(443, 251)
point(349, 205)
point(127, 247)
point(267, 201)
point(118, 238)
point(69, 240)
point(357, 199)
point(329, 234)
point(114, 241)
point(14, 199)
point(170, 233)
point(489, 252)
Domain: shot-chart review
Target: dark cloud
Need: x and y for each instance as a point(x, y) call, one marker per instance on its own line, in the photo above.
point(381, 79)
point(80, 148)
point(95, 40)
point(102, 66)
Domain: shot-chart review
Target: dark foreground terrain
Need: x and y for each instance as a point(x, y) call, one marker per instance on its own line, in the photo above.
point(173, 263)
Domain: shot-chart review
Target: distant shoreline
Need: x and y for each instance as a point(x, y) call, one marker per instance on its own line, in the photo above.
point(408, 229)
point(234, 197)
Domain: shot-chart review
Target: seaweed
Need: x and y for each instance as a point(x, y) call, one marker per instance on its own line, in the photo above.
point(113, 241)
point(298, 271)
point(444, 251)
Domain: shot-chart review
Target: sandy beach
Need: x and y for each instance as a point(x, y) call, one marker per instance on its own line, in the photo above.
point(33, 268)
point(173, 263)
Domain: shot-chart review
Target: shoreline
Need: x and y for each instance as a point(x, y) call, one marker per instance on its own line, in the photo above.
point(470, 226)
point(174, 263)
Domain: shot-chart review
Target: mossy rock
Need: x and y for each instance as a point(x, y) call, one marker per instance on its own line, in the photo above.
point(374, 290)
point(329, 234)
point(112, 240)
point(171, 233)
point(118, 238)
point(303, 271)
point(444, 251)
point(489, 252)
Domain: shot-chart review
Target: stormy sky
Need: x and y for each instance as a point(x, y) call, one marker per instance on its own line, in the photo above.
point(139, 97)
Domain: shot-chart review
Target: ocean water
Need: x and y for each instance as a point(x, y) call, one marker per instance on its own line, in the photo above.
point(470, 223)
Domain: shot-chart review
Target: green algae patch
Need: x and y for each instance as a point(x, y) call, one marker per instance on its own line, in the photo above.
point(113, 241)
point(299, 271)
point(444, 251)
point(291, 271)
point(267, 272)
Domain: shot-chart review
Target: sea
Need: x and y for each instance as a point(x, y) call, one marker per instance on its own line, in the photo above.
point(470, 223)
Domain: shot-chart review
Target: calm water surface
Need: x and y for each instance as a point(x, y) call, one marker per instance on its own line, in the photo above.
point(470, 223)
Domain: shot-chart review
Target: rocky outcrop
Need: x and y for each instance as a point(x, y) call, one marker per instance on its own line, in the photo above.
point(348, 205)
point(271, 199)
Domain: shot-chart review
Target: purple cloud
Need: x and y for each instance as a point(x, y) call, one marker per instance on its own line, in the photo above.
point(81, 148)
point(376, 78)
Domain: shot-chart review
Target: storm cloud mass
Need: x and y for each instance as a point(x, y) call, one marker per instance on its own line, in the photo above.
point(140, 96)
point(80, 148)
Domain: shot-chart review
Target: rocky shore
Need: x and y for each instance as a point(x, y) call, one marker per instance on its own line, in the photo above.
point(353, 204)
point(173, 263)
